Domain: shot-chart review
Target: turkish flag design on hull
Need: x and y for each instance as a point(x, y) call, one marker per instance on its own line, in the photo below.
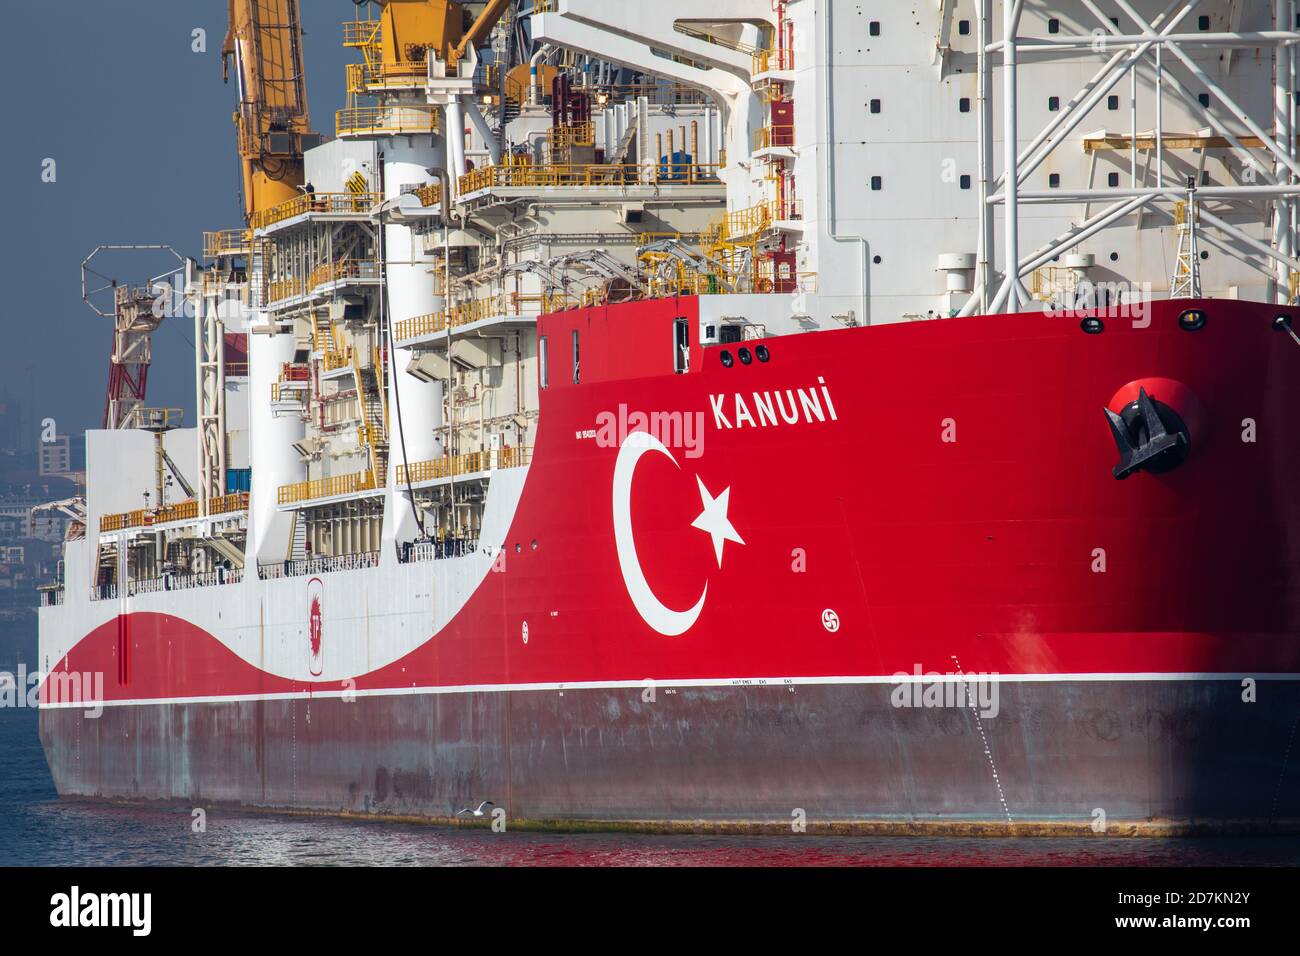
point(841, 508)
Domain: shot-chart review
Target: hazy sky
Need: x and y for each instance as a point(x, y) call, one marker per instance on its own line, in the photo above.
point(140, 128)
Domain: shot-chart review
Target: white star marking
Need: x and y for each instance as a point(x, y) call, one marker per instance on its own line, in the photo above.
point(713, 519)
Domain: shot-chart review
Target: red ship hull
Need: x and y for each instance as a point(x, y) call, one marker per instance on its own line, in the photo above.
point(925, 498)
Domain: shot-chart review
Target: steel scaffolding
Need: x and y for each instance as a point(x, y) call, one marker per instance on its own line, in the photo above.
point(1126, 49)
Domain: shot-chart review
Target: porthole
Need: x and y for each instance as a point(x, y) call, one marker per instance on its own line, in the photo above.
point(1193, 320)
point(745, 357)
point(1093, 325)
point(762, 353)
point(727, 360)
point(533, 545)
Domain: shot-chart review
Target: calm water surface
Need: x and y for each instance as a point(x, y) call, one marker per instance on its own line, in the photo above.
point(37, 829)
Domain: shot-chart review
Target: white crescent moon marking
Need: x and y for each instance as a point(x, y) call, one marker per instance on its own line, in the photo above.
point(665, 620)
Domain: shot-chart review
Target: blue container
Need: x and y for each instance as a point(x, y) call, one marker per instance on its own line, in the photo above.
point(238, 479)
point(678, 167)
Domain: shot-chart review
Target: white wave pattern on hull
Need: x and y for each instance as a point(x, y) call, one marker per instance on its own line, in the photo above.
point(386, 611)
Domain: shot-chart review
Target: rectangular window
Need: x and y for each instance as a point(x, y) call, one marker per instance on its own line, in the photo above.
point(681, 345)
point(543, 378)
point(575, 356)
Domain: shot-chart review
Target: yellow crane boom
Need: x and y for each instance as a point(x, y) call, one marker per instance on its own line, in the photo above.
point(264, 39)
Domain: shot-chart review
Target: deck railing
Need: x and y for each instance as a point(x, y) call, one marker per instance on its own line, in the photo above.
point(297, 567)
point(462, 313)
point(367, 120)
point(358, 33)
point(322, 203)
point(180, 511)
point(469, 463)
point(226, 242)
point(412, 551)
point(766, 61)
point(767, 137)
point(595, 174)
point(329, 487)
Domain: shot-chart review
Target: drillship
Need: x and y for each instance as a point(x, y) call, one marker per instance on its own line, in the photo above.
point(866, 414)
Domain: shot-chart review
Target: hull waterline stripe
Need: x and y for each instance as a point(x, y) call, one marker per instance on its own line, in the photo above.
point(737, 682)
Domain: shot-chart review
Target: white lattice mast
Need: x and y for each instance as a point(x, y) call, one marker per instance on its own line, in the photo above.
point(1186, 281)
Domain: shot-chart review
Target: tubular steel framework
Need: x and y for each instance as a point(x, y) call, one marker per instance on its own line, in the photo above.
point(1127, 47)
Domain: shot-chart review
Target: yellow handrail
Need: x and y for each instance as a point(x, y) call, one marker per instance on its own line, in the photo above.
point(766, 61)
point(358, 33)
point(429, 195)
point(487, 177)
point(278, 290)
point(180, 511)
point(325, 203)
point(365, 120)
point(768, 137)
point(325, 487)
point(226, 504)
point(186, 510)
point(226, 242)
point(469, 463)
point(343, 269)
point(576, 134)
point(366, 429)
point(461, 314)
point(332, 361)
point(364, 77)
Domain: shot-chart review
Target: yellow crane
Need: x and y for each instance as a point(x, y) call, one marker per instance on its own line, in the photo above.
point(410, 30)
point(264, 39)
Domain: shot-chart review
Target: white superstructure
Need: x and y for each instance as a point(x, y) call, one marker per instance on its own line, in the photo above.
point(368, 362)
